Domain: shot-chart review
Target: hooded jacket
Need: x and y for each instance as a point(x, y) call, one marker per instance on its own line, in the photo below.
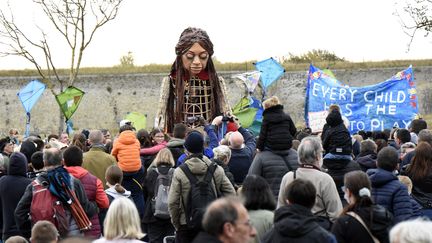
point(348, 229)
point(277, 129)
point(295, 223)
point(12, 187)
point(126, 150)
point(335, 137)
point(180, 187)
point(367, 161)
point(389, 192)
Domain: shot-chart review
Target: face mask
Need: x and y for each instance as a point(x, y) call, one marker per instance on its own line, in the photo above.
point(346, 197)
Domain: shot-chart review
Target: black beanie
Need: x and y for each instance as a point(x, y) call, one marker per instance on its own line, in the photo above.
point(17, 164)
point(73, 156)
point(194, 142)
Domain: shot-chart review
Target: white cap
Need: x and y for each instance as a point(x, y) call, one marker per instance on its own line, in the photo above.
point(124, 122)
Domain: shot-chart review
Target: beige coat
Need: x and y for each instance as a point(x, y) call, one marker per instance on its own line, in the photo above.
point(180, 187)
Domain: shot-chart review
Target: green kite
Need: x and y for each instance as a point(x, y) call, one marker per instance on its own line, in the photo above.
point(69, 100)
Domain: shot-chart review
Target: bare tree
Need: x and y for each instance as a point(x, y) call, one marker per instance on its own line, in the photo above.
point(75, 20)
point(415, 16)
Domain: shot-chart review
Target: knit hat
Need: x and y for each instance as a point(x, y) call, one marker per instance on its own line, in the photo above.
point(17, 164)
point(194, 142)
point(231, 127)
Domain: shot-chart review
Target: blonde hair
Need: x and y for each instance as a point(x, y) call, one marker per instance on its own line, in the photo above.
point(122, 220)
point(407, 182)
point(164, 156)
point(334, 107)
point(270, 102)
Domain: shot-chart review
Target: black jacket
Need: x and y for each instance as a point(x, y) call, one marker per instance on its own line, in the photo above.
point(149, 191)
point(348, 229)
point(204, 237)
point(12, 187)
point(335, 137)
point(295, 223)
point(337, 168)
point(277, 130)
point(241, 159)
point(22, 211)
point(367, 161)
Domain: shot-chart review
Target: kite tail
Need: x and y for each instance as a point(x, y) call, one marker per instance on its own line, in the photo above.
point(27, 131)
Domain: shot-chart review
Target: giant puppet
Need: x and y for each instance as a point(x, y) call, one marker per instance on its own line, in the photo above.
point(193, 88)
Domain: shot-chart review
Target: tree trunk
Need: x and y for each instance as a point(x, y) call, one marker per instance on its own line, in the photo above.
point(61, 116)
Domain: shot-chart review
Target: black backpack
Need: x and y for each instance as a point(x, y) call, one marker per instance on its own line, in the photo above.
point(200, 195)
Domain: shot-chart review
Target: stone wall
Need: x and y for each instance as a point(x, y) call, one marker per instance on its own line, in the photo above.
point(109, 97)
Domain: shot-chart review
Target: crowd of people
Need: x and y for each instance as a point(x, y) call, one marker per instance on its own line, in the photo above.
point(285, 185)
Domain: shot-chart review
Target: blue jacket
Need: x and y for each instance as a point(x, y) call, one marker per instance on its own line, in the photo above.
point(389, 192)
point(241, 159)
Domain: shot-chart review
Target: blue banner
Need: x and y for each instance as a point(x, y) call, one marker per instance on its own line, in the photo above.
point(370, 108)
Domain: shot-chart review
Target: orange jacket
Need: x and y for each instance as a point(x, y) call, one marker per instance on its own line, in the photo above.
point(126, 150)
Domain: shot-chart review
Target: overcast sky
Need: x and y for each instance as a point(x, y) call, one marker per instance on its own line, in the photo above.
point(240, 30)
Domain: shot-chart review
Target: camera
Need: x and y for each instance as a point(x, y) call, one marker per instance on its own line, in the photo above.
point(228, 119)
point(193, 119)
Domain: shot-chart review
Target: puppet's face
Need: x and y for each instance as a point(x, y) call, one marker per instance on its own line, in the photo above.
point(195, 59)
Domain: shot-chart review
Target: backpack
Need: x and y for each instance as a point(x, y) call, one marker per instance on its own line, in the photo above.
point(200, 195)
point(160, 199)
point(46, 206)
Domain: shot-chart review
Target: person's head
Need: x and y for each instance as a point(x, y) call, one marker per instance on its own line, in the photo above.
point(122, 220)
point(73, 156)
point(295, 144)
point(37, 161)
point(28, 148)
point(407, 182)
point(114, 177)
point(418, 230)
point(164, 156)
point(334, 107)
point(80, 140)
point(417, 125)
point(381, 143)
point(158, 136)
point(387, 159)
point(301, 192)
point(194, 142)
point(407, 147)
point(421, 163)
point(96, 137)
point(358, 138)
point(310, 151)
point(357, 189)
point(6, 145)
point(425, 135)
point(44, 232)
point(64, 138)
point(51, 136)
point(16, 239)
point(106, 135)
point(368, 146)
point(180, 130)
point(18, 164)
point(257, 194)
point(52, 157)
point(270, 102)
point(126, 127)
point(227, 219)
point(236, 140)
point(144, 138)
point(222, 153)
point(402, 136)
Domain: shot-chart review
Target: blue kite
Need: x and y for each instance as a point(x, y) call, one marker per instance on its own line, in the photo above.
point(270, 70)
point(28, 96)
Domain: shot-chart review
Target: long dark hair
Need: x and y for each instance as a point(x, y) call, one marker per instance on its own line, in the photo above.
point(188, 37)
point(421, 164)
point(257, 194)
point(356, 181)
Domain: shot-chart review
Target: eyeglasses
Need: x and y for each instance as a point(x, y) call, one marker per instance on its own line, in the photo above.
point(247, 223)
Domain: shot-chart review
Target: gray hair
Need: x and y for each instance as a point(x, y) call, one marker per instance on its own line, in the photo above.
point(52, 157)
point(425, 135)
point(368, 145)
point(417, 230)
point(96, 137)
point(223, 210)
point(222, 153)
point(310, 150)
